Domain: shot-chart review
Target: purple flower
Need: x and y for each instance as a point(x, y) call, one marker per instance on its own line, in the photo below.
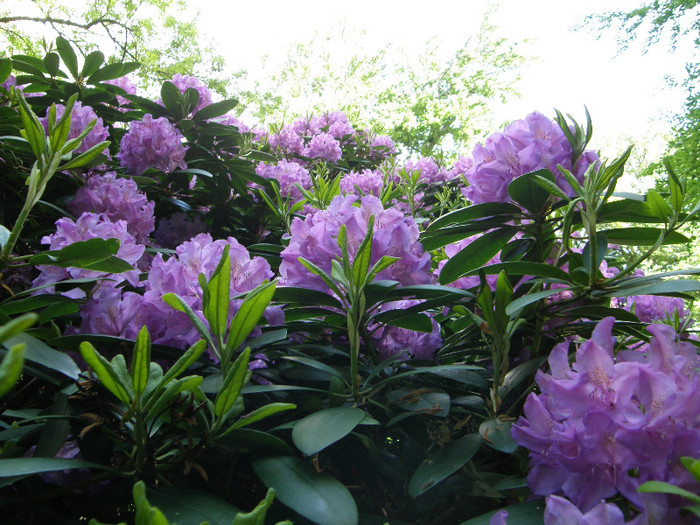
point(287, 141)
point(89, 226)
point(177, 229)
point(116, 198)
point(152, 143)
point(128, 86)
point(499, 518)
point(524, 146)
point(430, 172)
point(390, 340)
point(288, 174)
point(335, 123)
point(382, 147)
point(650, 308)
point(315, 239)
point(179, 274)
point(323, 146)
point(560, 511)
point(365, 182)
point(185, 82)
point(81, 116)
point(608, 424)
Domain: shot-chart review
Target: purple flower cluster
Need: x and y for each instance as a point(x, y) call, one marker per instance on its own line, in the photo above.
point(323, 146)
point(152, 143)
point(382, 147)
point(320, 137)
point(524, 146)
point(335, 123)
point(118, 199)
point(391, 340)
point(288, 174)
point(650, 308)
point(81, 116)
point(176, 229)
point(127, 85)
point(179, 274)
point(365, 182)
point(613, 422)
point(429, 170)
point(315, 239)
point(89, 226)
point(185, 82)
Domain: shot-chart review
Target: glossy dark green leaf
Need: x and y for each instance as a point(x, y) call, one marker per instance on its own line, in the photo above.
point(529, 513)
point(520, 373)
point(522, 302)
point(106, 373)
point(85, 157)
point(305, 296)
point(524, 268)
point(215, 109)
point(5, 70)
point(435, 403)
point(496, 434)
point(172, 100)
point(321, 429)
point(261, 413)
point(79, 254)
point(29, 64)
point(660, 288)
point(233, 384)
point(55, 430)
point(92, 63)
point(476, 254)
point(108, 72)
point(51, 61)
point(525, 191)
point(186, 505)
point(24, 466)
point(318, 497)
point(477, 211)
point(67, 55)
point(251, 310)
point(442, 463)
point(642, 236)
point(39, 352)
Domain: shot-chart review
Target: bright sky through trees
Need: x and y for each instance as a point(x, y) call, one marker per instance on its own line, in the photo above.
point(627, 93)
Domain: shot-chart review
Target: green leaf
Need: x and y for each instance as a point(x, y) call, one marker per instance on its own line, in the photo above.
point(257, 515)
point(17, 326)
point(261, 413)
point(250, 312)
point(218, 290)
point(517, 375)
point(318, 497)
point(529, 513)
point(496, 433)
point(528, 193)
point(176, 302)
point(5, 69)
point(434, 403)
point(522, 302)
point(68, 55)
point(51, 64)
point(476, 254)
point(86, 157)
point(188, 358)
point(172, 100)
point(667, 488)
point(185, 505)
point(305, 296)
point(39, 352)
point(215, 109)
point(312, 268)
point(233, 384)
point(105, 372)
point(55, 430)
point(321, 429)
point(11, 368)
point(524, 268)
point(79, 254)
point(92, 63)
point(25, 466)
point(4, 235)
point(440, 464)
point(659, 288)
point(658, 206)
point(141, 362)
point(360, 265)
point(642, 236)
point(477, 211)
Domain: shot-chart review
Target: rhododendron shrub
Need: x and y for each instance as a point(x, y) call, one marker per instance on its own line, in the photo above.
point(212, 309)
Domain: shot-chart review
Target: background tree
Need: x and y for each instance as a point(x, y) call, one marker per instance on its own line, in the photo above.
point(435, 104)
point(162, 35)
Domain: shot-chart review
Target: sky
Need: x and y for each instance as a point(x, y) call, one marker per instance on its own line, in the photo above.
point(627, 93)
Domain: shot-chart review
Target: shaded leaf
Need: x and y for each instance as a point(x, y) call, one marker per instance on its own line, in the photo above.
point(321, 429)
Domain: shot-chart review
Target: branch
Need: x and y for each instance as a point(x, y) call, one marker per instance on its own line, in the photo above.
point(62, 21)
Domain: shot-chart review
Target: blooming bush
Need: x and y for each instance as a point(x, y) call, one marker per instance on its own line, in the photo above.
point(367, 337)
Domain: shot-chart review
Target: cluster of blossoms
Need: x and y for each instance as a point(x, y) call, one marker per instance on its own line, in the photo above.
point(185, 82)
point(524, 146)
point(179, 274)
point(288, 174)
point(127, 85)
point(81, 116)
point(117, 199)
point(614, 422)
point(391, 340)
point(365, 182)
point(316, 239)
point(152, 143)
point(650, 308)
point(89, 226)
point(429, 171)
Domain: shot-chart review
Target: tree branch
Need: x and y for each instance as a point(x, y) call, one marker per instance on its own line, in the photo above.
point(61, 21)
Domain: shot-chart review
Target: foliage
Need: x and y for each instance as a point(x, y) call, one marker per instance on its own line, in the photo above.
point(295, 310)
point(431, 106)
